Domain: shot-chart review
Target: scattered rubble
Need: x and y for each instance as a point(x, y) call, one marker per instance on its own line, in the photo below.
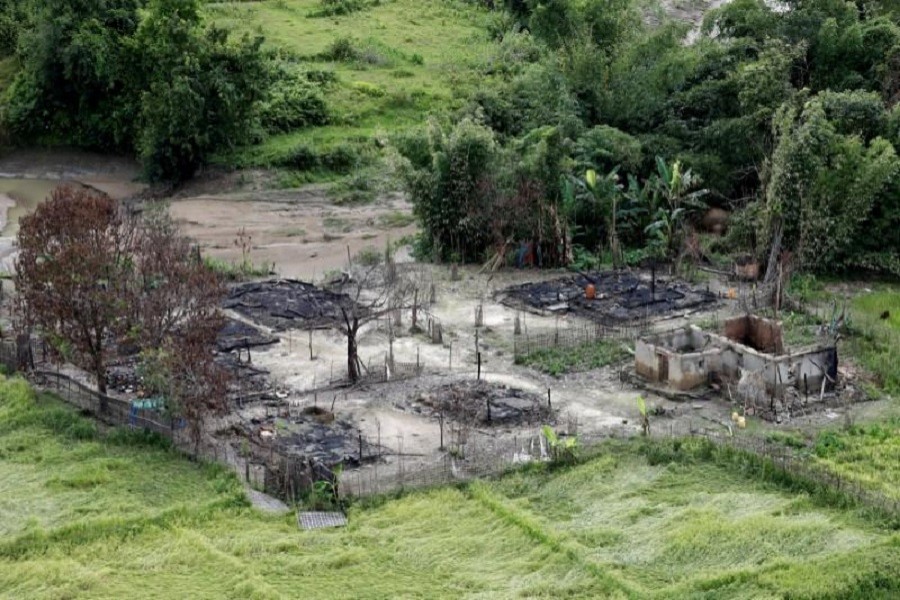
point(313, 435)
point(237, 335)
point(483, 403)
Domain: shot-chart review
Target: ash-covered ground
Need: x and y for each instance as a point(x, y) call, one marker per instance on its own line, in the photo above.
point(286, 304)
point(620, 296)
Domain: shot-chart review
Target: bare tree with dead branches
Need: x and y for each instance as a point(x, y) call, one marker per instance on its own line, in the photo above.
point(369, 295)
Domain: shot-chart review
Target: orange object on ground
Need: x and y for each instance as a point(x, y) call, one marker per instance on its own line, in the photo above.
point(590, 291)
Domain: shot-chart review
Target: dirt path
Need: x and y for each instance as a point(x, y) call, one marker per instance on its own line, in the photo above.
point(266, 503)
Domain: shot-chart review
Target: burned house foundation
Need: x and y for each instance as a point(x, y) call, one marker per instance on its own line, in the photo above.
point(608, 297)
point(748, 359)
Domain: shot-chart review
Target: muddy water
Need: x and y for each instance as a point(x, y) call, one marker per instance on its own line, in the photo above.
point(28, 176)
point(21, 197)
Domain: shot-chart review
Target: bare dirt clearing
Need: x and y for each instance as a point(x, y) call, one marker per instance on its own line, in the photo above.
point(396, 429)
point(300, 231)
point(295, 397)
point(400, 416)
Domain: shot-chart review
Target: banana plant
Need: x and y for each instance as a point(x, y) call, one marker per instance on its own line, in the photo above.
point(645, 416)
point(562, 450)
point(605, 192)
point(673, 196)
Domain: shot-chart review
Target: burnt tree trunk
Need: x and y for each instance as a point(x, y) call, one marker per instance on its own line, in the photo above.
point(353, 352)
point(24, 355)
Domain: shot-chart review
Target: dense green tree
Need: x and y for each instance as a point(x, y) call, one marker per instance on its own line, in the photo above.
point(828, 186)
point(202, 91)
point(448, 196)
point(605, 148)
point(127, 75)
point(72, 87)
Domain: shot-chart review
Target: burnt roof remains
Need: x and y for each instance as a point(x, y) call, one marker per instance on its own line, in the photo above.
point(287, 304)
point(620, 296)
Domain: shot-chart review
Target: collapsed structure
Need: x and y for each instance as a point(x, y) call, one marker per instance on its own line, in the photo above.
point(284, 304)
point(750, 355)
point(616, 297)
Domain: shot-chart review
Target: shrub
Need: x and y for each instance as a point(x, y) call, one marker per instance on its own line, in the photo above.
point(605, 148)
point(293, 103)
point(301, 157)
point(9, 34)
point(341, 49)
point(414, 146)
point(369, 89)
point(341, 158)
point(369, 257)
point(333, 8)
point(828, 444)
point(536, 97)
point(321, 77)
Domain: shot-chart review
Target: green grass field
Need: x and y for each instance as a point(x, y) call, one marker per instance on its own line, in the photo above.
point(876, 322)
point(415, 57)
point(90, 515)
point(868, 454)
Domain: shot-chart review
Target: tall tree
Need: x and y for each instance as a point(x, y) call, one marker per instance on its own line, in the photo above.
point(72, 273)
point(173, 287)
point(832, 185)
point(200, 92)
point(372, 295)
point(89, 276)
point(142, 76)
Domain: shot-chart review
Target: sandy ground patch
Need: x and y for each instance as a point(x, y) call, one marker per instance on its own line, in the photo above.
point(300, 231)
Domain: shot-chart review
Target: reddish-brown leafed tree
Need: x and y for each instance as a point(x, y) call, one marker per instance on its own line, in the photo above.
point(198, 385)
point(73, 273)
point(177, 312)
point(173, 286)
point(88, 275)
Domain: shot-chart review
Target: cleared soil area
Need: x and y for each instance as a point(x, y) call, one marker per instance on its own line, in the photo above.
point(301, 232)
point(306, 236)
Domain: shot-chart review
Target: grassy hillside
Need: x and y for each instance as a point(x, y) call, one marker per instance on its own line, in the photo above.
point(395, 61)
point(91, 516)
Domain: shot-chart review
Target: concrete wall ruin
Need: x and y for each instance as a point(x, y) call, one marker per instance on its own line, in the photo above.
point(757, 332)
point(681, 359)
point(687, 358)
